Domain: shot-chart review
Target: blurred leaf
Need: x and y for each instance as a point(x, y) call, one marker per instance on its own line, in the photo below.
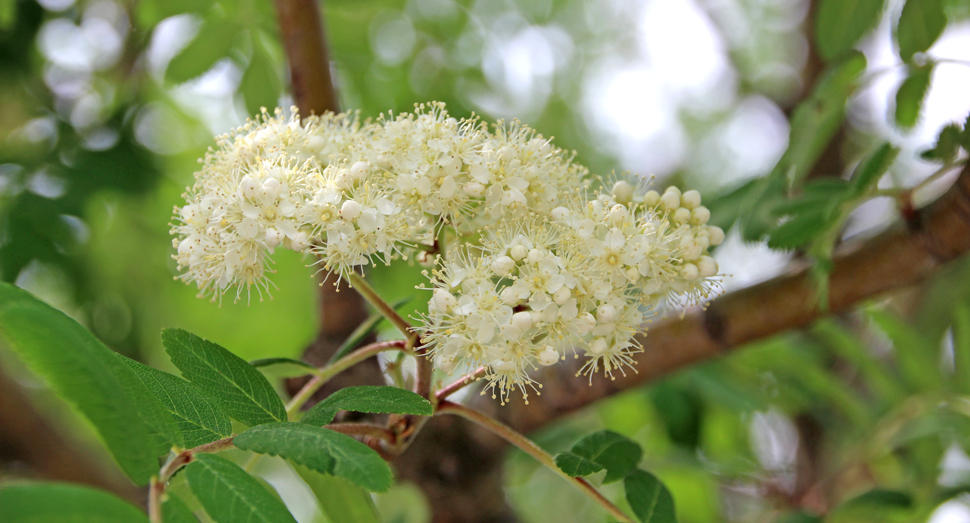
point(816, 120)
point(320, 449)
point(841, 23)
point(365, 329)
point(63, 503)
point(947, 145)
point(617, 454)
point(83, 371)
point(649, 498)
point(871, 168)
point(576, 466)
point(909, 97)
point(961, 348)
point(215, 38)
point(242, 391)
point(799, 517)
point(877, 376)
point(881, 498)
point(368, 398)
point(150, 12)
point(680, 409)
point(917, 358)
point(920, 24)
point(174, 510)
point(339, 500)
point(260, 84)
point(965, 135)
point(798, 231)
point(200, 420)
point(8, 14)
point(231, 495)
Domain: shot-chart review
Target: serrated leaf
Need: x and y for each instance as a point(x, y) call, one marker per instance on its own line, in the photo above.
point(576, 466)
point(841, 23)
point(910, 95)
point(320, 449)
point(266, 362)
point(917, 358)
point(84, 372)
point(339, 500)
point(617, 454)
point(230, 495)
point(920, 23)
point(241, 390)
point(816, 120)
point(947, 144)
point(174, 510)
point(283, 367)
point(871, 168)
point(199, 418)
point(649, 498)
point(63, 503)
point(213, 42)
point(260, 84)
point(368, 398)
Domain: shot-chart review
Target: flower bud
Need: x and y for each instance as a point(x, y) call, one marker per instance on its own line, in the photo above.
point(690, 199)
point(443, 300)
point(560, 213)
point(619, 213)
point(273, 238)
point(249, 186)
point(606, 313)
point(350, 210)
point(535, 256)
point(598, 347)
point(562, 295)
point(652, 198)
point(446, 365)
point(474, 189)
point(623, 192)
point(700, 215)
point(670, 201)
point(503, 266)
point(690, 272)
point(547, 356)
point(518, 252)
point(681, 215)
point(715, 234)
point(707, 267)
point(522, 321)
point(359, 170)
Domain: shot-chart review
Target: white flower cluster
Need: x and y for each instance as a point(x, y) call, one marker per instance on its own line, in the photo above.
point(531, 263)
point(576, 279)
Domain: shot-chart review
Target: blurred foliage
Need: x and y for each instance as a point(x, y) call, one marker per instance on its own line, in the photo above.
point(106, 105)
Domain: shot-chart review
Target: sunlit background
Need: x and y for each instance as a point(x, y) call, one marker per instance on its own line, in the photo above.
point(99, 134)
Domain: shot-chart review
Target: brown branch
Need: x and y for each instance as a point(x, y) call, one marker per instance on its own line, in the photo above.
point(301, 28)
point(902, 256)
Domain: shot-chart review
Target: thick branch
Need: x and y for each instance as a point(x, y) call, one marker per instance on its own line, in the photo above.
point(301, 28)
point(901, 256)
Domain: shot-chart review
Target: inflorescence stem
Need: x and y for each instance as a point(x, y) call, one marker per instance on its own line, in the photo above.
point(369, 294)
point(530, 448)
point(459, 384)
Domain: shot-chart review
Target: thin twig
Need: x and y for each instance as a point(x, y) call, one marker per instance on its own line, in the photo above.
point(460, 383)
point(530, 448)
point(369, 294)
point(363, 429)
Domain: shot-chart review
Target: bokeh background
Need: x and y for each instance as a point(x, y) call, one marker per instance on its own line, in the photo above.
point(105, 107)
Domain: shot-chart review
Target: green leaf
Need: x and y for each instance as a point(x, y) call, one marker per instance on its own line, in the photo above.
point(649, 498)
point(150, 12)
point(199, 418)
point(816, 120)
point(213, 42)
point(617, 454)
point(798, 231)
point(576, 466)
point(339, 500)
point(881, 498)
point(876, 374)
point(917, 358)
point(841, 23)
point(964, 137)
point(174, 510)
point(230, 495)
point(83, 371)
point(368, 398)
point(260, 85)
point(265, 362)
point(947, 145)
point(920, 24)
point(242, 391)
point(871, 168)
point(320, 449)
point(63, 503)
point(910, 95)
point(961, 348)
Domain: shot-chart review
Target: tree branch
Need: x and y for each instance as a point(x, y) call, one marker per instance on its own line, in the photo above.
point(904, 255)
point(301, 28)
